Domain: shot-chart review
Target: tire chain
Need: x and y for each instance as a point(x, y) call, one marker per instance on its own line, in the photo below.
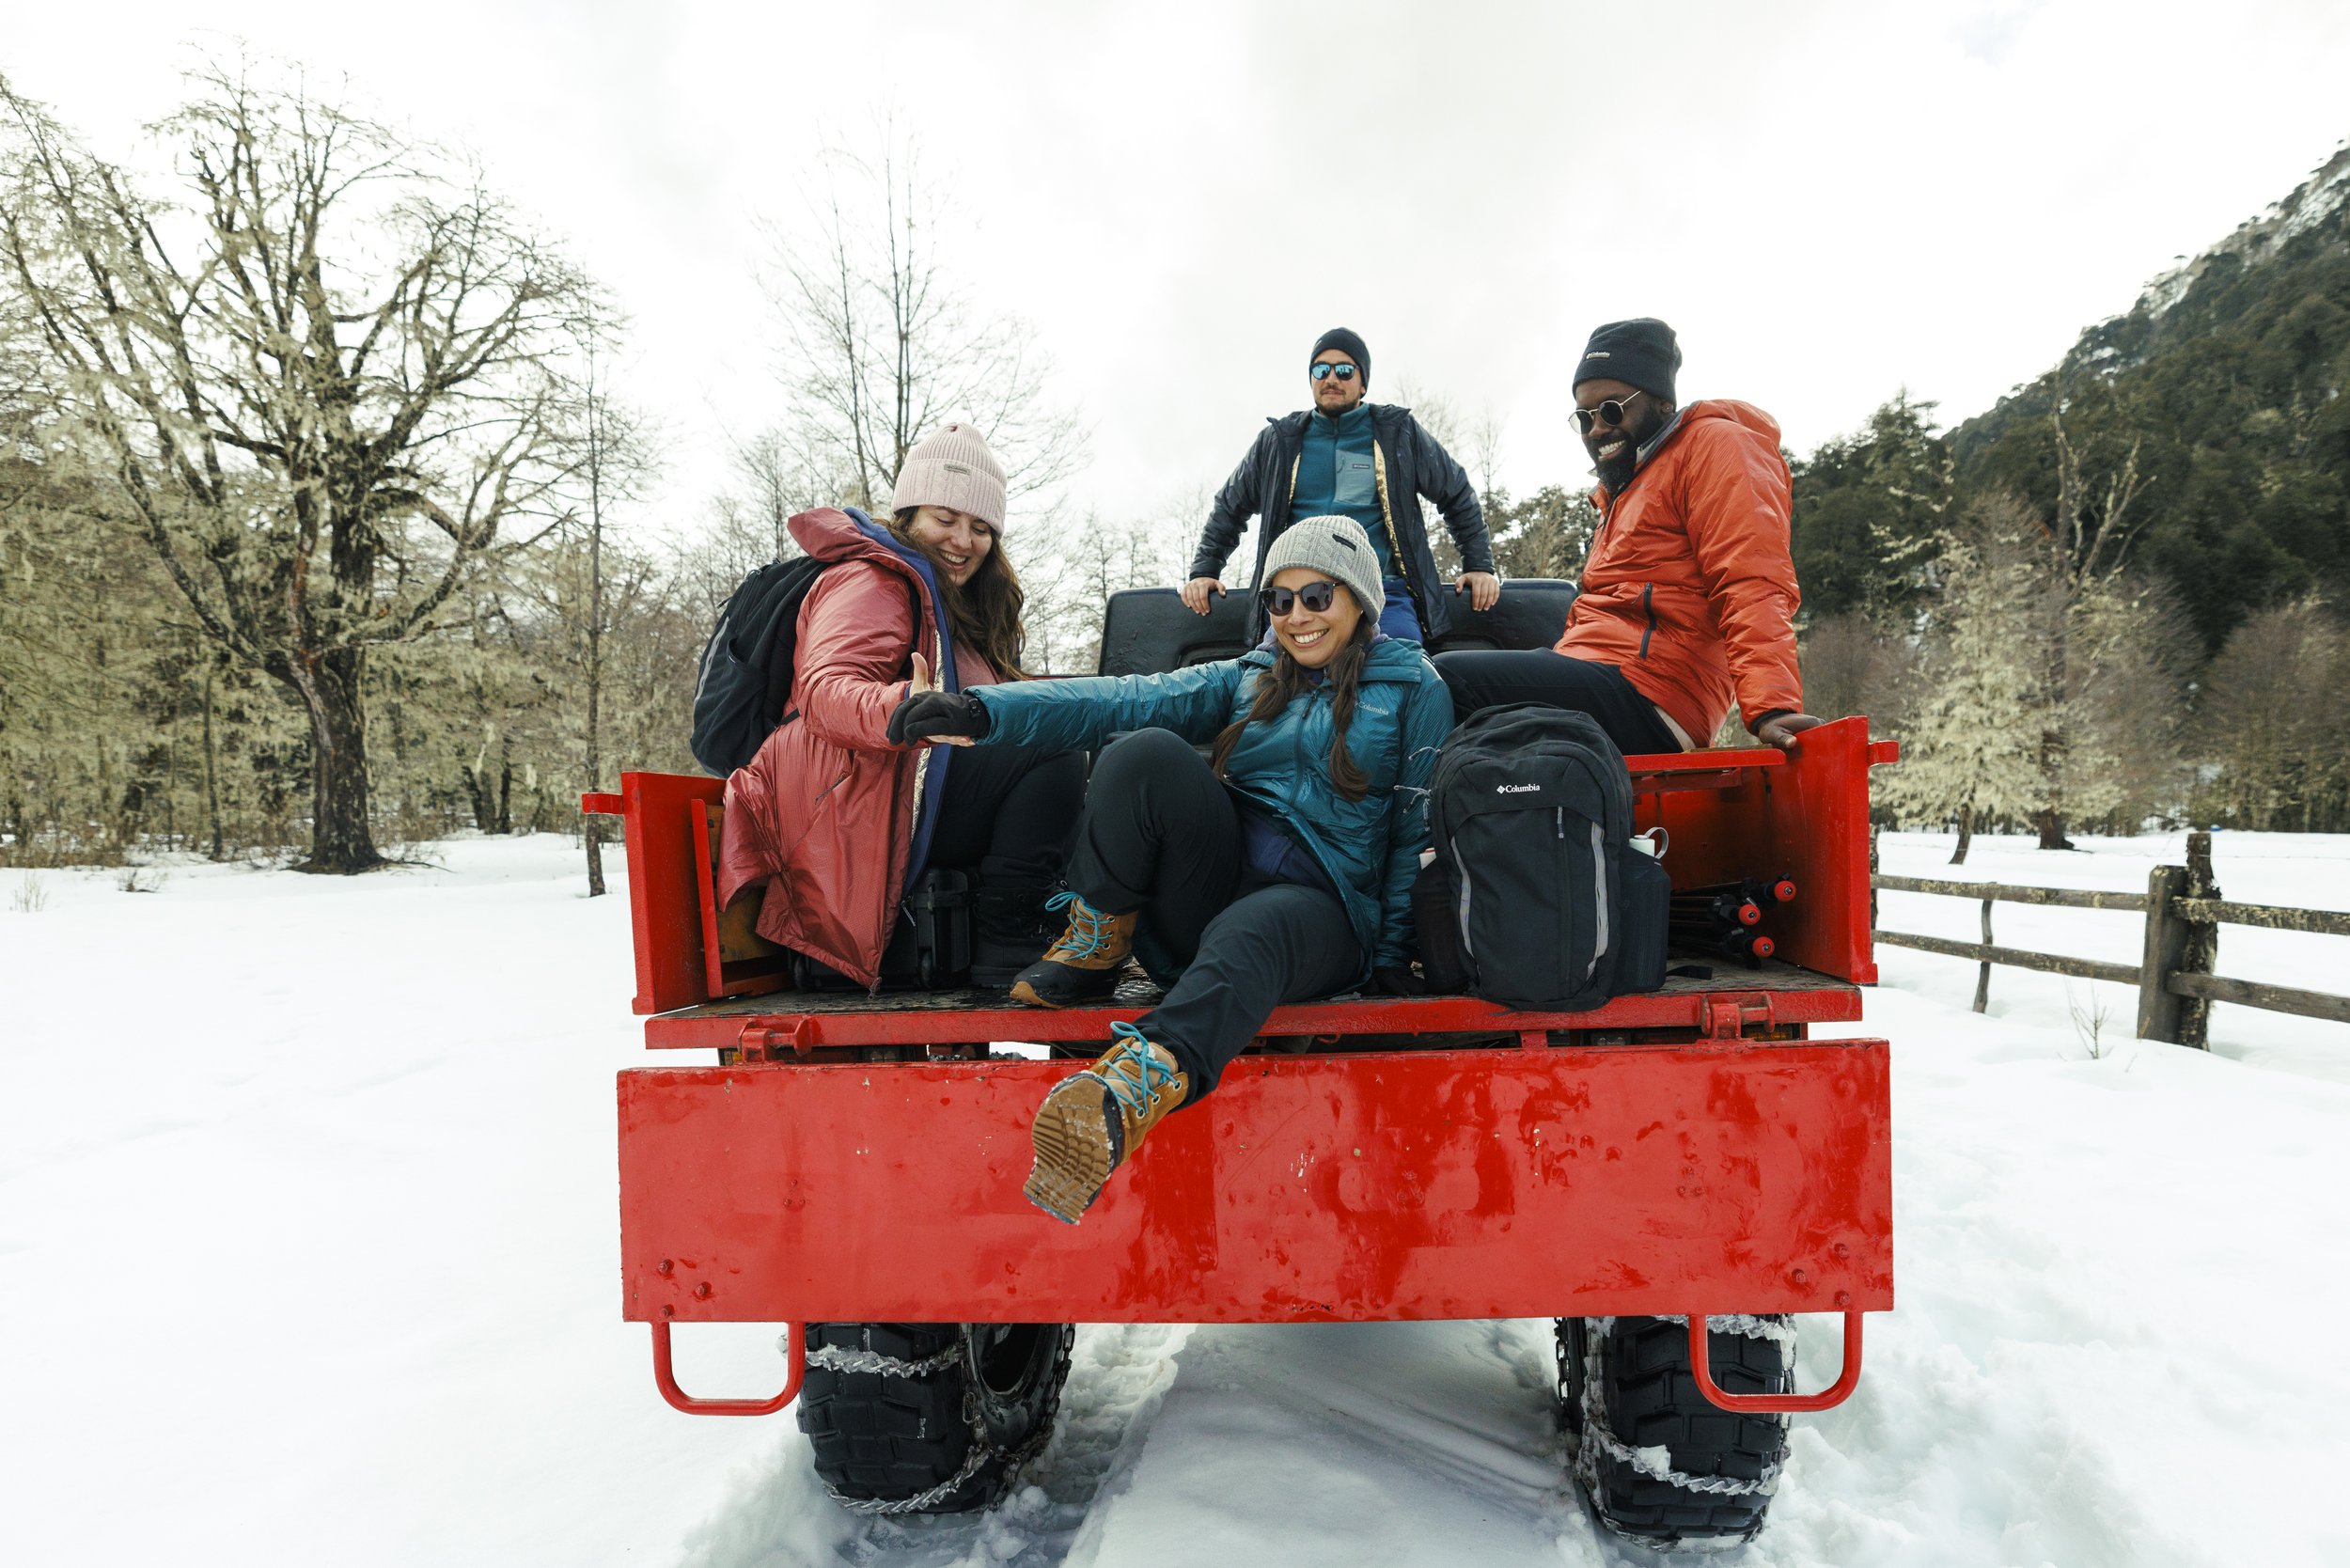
point(1594, 1410)
point(982, 1451)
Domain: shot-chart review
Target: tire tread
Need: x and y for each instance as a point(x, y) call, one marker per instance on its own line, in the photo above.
point(1649, 1398)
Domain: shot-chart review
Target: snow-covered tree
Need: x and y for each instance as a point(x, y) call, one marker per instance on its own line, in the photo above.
point(1970, 751)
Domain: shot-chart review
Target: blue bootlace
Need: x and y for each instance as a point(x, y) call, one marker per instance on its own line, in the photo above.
point(1131, 1072)
point(1096, 934)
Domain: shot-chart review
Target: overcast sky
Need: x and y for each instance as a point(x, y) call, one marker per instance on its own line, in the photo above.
point(1829, 200)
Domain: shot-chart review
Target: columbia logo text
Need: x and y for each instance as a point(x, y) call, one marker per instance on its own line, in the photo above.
point(1516, 789)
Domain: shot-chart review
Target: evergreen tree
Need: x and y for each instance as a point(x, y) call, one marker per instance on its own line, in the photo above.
point(1870, 510)
point(1969, 747)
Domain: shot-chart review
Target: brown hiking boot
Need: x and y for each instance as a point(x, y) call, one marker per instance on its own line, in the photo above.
point(1085, 965)
point(1092, 1123)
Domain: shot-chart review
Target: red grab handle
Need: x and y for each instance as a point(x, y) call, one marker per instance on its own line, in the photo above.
point(1778, 1404)
point(665, 1375)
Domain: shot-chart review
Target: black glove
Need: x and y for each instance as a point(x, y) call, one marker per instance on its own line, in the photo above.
point(927, 716)
point(1398, 982)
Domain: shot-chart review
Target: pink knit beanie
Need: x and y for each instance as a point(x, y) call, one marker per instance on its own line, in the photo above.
point(952, 467)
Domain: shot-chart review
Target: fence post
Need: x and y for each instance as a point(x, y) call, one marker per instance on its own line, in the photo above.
point(1873, 876)
point(2166, 944)
point(1983, 979)
point(2200, 950)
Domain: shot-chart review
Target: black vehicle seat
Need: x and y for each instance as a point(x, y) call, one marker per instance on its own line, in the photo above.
point(1147, 631)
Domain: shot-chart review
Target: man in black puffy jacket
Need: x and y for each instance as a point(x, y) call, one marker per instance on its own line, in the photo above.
point(1370, 462)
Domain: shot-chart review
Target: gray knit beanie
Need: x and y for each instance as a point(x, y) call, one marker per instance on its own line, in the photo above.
point(952, 467)
point(1334, 546)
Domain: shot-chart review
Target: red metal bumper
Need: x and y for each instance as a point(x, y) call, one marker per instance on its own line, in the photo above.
point(1713, 1178)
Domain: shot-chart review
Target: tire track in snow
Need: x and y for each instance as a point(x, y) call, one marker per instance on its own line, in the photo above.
point(780, 1517)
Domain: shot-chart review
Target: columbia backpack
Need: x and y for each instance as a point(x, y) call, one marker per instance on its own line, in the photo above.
point(1535, 897)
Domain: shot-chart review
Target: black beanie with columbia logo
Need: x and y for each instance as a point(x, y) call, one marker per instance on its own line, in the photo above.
point(1641, 352)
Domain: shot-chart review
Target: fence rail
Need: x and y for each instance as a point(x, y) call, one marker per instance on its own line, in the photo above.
point(2015, 958)
point(2065, 898)
point(2183, 913)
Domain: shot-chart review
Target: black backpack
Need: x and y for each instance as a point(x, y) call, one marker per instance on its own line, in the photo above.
point(747, 665)
point(1535, 899)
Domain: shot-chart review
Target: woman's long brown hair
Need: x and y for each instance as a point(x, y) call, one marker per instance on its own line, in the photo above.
point(984, 613)
point(1280, 685)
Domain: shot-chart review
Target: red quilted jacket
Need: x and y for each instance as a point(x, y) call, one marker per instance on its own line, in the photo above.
point(823, 814)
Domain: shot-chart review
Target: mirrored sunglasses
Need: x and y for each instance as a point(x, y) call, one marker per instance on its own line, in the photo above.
point(1342, 370)
point(1316, 597)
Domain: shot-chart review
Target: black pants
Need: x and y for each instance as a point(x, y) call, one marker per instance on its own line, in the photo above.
point(1162, 835)
point(1008, 811)
point(1483, 679)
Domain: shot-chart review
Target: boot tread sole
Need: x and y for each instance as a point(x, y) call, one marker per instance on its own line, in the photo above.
point(1072, 1149)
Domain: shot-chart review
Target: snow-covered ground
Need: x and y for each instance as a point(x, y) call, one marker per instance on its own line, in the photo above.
point(307, 1256)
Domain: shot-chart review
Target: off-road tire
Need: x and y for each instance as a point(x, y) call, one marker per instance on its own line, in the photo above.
point(928, 1417)
point(1624, 1385)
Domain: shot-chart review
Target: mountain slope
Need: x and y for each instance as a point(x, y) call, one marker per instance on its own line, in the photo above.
point(2225, 380)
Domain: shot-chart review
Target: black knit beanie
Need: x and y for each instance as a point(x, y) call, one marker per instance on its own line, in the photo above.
point(1641, 352)
point(1339, 338)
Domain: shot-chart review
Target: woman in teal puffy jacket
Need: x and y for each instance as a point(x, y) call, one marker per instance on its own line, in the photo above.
point(1277, 869)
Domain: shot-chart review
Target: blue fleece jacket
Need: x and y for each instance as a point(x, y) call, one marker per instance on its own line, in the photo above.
point(1368, 848)
point(1337, 475)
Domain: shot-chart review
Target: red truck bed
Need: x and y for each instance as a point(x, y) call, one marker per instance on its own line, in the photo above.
point(1689, 1152)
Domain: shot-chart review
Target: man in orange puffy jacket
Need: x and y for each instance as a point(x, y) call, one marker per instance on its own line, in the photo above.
point(1688, 596)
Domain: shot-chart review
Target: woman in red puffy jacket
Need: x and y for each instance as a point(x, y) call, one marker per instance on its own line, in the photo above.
point(835, 820)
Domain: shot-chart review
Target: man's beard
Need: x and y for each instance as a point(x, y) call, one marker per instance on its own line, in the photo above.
point(1616, 472)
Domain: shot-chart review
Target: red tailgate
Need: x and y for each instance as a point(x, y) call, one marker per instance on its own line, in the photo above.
point(1716, 1177)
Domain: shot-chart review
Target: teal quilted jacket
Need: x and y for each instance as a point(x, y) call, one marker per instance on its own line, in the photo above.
point(1371, 848)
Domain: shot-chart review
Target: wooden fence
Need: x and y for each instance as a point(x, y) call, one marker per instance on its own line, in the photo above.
point(2176, 983)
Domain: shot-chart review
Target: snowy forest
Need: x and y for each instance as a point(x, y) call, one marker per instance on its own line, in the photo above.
point(317, 457)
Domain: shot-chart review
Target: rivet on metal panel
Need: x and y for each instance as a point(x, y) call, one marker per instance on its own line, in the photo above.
point(1843, 1299)
point(1842, 1251)
point(701, 1292)
point(668, 1311)
point(668, 1267)
point(1794, 1276)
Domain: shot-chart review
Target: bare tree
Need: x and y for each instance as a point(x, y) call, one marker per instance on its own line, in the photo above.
point(320, 390)
point(614, 460)
point(777, 480)
point(1854, 663)
point(882, 344)
point(2272, 724)
point(2086, 548)
point(1069, 588)
point(1483, 456)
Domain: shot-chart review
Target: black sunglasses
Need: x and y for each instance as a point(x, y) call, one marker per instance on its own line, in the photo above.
point(1342, 370)
point(1610, 410)
point(1315, 596)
